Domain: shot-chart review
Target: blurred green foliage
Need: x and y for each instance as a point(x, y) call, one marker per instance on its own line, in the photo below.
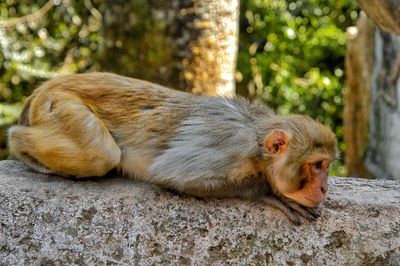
point(62, 41)
point(78, 36)
point(291, 54)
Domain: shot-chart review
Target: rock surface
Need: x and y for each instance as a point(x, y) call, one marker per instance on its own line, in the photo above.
point(54, 221)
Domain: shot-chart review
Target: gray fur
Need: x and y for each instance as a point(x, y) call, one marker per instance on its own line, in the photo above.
point(216, 138)
point(87, 124)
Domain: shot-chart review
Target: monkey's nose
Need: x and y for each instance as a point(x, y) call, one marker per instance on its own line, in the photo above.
point(324, 190)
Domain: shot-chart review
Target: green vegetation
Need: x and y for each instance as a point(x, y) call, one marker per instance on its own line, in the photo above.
point(292, 56)
point(291, 53)
point(63, 40)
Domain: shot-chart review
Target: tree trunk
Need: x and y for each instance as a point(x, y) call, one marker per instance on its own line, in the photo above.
point(357, 96)
point(382, 158)
point(384, 136)
point(188, 45)
point(385, 13)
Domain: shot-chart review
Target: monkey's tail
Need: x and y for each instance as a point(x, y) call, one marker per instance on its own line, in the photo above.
point(24, 117)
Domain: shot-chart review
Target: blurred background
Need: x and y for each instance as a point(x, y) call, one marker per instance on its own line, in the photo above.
point(289, 54)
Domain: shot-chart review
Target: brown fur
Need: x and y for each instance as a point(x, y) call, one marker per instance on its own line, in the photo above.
point(87, 124)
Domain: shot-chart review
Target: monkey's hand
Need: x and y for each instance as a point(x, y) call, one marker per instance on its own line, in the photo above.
point(292, 209)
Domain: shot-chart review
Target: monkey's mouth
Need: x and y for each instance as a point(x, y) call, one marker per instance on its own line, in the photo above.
point(313, 202)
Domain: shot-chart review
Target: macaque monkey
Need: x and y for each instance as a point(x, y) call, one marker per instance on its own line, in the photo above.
point(88, 124)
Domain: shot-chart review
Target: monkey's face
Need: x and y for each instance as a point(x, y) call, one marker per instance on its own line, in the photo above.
point(300, 164)
point(311, 186)
point(306, 183)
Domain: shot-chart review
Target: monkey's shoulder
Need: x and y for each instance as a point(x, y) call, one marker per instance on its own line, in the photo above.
point(213, 132)
point(236, 109)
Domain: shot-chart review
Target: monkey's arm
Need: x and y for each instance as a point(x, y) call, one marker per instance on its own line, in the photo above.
point(257, 189)
point(292, 209)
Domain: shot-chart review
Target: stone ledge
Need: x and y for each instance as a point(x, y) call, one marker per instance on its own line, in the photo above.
point(50, 220)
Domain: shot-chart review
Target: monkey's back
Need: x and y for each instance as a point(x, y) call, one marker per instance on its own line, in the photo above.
point(162, 133)
point(87, 124)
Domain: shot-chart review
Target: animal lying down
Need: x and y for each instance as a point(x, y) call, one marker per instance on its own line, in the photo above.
point(87, 124)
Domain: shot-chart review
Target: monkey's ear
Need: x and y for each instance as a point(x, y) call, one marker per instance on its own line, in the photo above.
point(276, 142)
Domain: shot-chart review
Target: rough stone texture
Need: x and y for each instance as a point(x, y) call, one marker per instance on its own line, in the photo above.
point(385, 13)
point(357, 95)
point(54, 221)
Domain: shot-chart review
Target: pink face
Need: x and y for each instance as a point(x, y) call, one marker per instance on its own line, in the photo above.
point(313, 182)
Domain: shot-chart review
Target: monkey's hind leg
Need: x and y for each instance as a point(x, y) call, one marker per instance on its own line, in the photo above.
point(78, 145)
point(17, 147)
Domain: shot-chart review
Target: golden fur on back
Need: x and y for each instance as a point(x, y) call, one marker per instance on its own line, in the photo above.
point(88, 124)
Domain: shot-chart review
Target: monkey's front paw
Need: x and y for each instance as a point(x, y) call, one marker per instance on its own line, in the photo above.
point(311, 214)
point(293, 210)
point(316, 212)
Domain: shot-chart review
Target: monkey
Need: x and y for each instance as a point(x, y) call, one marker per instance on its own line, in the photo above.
point(84, 125)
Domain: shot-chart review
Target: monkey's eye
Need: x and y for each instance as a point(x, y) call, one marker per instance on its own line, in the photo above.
point(302, 183)
point(318, 165)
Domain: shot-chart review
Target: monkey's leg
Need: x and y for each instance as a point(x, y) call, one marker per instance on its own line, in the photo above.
point(17, 147)
point(76, 144)
point(291, 209)
point(276, 203)
point(310, 214)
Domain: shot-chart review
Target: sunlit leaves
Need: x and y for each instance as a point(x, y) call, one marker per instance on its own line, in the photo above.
point(62, 41)
point(292, 55)
point(8, 112)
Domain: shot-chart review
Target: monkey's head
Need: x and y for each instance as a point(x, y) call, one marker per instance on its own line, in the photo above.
point(298, 152)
